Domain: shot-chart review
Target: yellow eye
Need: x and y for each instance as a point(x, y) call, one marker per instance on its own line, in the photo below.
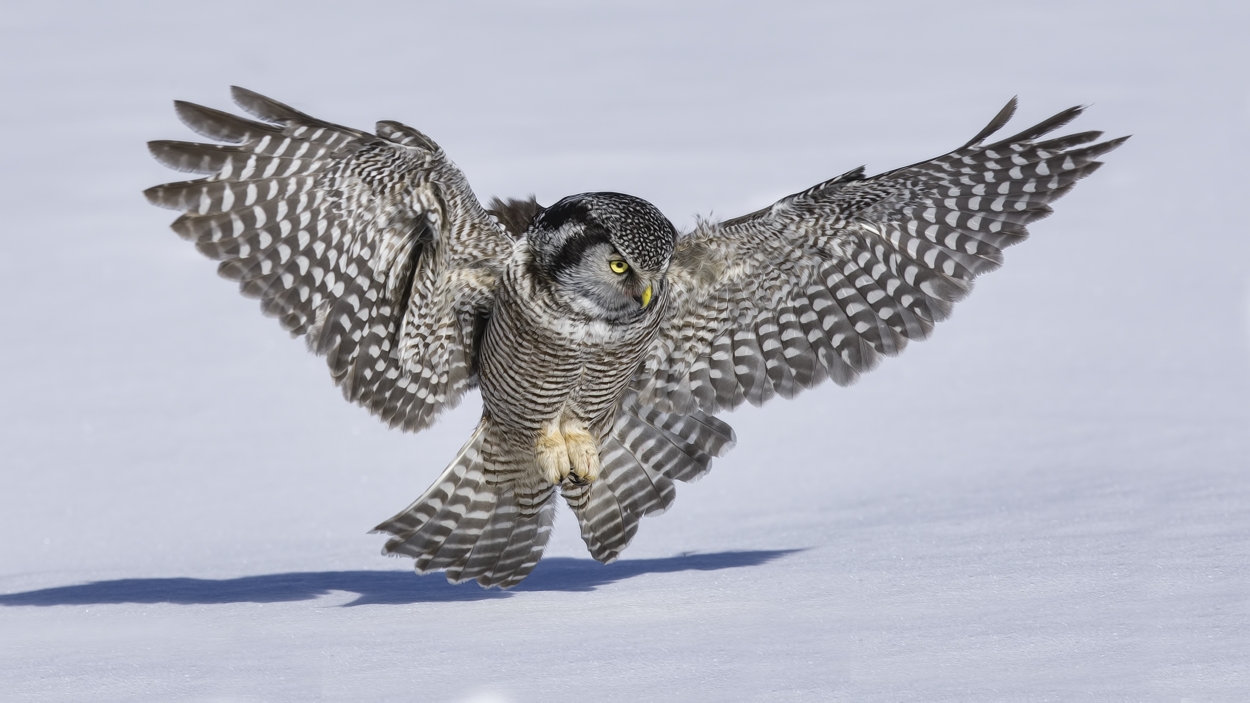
point(618, 266)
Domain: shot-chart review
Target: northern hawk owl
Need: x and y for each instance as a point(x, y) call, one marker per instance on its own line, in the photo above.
point(603, 340)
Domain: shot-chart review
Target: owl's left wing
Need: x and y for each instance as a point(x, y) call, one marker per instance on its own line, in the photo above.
point(371, 245)
point(825, 282)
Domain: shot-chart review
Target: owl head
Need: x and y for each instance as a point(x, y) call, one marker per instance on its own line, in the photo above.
point(603, 254)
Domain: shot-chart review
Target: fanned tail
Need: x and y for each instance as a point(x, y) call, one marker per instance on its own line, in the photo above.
point(473, 525)
point(645, 452)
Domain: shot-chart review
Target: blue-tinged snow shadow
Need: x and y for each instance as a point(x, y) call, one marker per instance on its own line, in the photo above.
point(377, 587)
point(567, 574)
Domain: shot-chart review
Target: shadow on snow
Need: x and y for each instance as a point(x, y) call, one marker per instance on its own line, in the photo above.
point(378, 587)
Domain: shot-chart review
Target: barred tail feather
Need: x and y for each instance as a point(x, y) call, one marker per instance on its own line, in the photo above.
point(511, 545)
point(646, 451)
point(472, 527)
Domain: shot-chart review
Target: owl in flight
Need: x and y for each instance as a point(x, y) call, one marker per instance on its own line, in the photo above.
point(603, 340)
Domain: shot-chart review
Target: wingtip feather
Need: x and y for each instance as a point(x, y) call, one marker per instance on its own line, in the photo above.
point(1003, 117)
point(263, 107)
point(154, 197)
point(1046, 126)
point(219, 125)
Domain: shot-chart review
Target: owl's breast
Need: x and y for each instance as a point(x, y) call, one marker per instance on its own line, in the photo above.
point(537, 361)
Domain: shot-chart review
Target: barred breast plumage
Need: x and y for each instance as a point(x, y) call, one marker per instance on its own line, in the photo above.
point(537, 361)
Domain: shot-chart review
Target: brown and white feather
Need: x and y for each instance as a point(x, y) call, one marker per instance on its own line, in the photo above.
point(824, 283)
point(372, 246)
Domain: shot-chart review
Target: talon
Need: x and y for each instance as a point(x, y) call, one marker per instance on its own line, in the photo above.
point(568, 451)
point(552, 455)
point(583, 452)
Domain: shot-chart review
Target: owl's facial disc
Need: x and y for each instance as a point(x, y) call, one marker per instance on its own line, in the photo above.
point(618, 265)
point(605, 253)
point(602, 284)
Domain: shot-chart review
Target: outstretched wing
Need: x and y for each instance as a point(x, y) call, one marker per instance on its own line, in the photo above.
point(373, 246)
point(825, 282)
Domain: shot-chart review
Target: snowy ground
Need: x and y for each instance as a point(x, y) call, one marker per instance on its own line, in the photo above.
point(1049, 500)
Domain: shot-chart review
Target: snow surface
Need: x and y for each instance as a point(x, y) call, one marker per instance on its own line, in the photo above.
point(1049, 500)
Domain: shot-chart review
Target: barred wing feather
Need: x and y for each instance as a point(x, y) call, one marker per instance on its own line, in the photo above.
point(825, 282)
point(372, 246)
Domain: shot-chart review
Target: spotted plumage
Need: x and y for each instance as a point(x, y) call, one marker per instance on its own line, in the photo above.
point(603, 341)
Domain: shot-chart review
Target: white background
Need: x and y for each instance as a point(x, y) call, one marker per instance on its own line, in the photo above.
point(1048, 500)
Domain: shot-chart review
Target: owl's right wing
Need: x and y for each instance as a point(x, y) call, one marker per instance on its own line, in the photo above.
point(825, 282)
point(373, 246)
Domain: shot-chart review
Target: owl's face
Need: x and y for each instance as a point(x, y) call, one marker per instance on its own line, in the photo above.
point(604, 254)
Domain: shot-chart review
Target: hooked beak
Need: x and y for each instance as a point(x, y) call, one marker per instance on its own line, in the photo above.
point(646, 297)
